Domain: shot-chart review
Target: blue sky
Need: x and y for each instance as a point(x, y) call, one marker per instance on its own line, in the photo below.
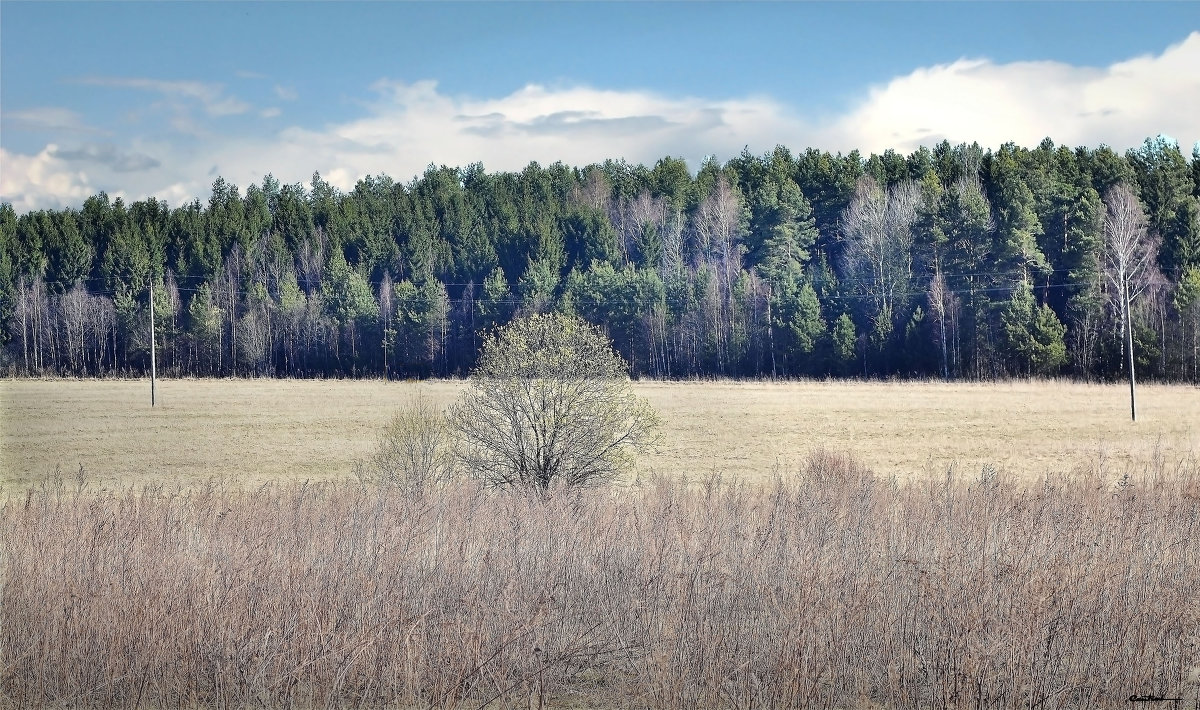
point(157, 99)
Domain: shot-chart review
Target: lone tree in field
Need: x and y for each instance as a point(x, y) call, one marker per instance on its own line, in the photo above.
point(1129, 256)
point(550, 406)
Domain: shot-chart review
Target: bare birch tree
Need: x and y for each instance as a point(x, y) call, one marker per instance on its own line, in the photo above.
point(944, 306)
point(1129, 254)
point(595, 191)
point(877, 226)
point(387, 310)
point(719, 225)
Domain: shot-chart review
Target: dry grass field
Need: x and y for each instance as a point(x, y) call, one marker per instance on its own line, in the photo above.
point(253, 431)
point(825, 587)
point(828, 590)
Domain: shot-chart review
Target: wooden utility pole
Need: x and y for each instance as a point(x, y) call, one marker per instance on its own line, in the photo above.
point(152, 367)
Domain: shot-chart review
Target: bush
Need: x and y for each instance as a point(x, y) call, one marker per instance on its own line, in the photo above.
point(414, 452)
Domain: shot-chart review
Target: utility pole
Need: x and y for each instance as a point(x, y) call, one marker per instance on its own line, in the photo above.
point(771, 331)
point(1129, 350)
point(152, 368)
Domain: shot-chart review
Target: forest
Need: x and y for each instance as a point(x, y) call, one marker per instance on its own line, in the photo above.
point(953, 262)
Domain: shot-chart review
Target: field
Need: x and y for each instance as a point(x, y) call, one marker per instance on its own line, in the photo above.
point(254, 431)
point(828, 590)
point(215, 555)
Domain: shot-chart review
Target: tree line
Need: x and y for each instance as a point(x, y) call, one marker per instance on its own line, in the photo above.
point(950, 262)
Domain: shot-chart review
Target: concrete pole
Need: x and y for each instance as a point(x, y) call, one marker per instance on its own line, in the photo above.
point(152, 364)
point(1129, 350)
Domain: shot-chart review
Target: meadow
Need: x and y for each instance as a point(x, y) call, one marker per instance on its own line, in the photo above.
point(255, 431)
point(828, 589)
point(981, 546)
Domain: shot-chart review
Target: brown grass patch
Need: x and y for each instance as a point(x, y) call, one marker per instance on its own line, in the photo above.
point(255, 431)
point(830, 588)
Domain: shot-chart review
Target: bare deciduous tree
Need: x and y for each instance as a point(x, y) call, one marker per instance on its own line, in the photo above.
point(719, 225)
point(877, 226)
point(944, 306)
point(550, 406)
point(595, 192)
point(1129, 254)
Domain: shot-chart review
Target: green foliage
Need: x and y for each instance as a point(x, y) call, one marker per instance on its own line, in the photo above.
point(1017, 225)
point(346, 294)
point(672, 180)
point(648, 246)
point(1049, 335)
point(729, 272)
point(205, 320)
point(845, 344)
point(549, 406)
point(537, 286)
point(790, 236)
point(1187, 292)
point(8, 270)
point(419, 322)
point(1165, 187)
point(495, 304)
point(796, 316)
point(589, 236)
point(617, 300)
point(127, 264)
point(782, 226)
point(1035, 338)
point(69, 256)
point(291, 297)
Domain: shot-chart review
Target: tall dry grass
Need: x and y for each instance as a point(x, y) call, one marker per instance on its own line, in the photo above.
point(829, 588)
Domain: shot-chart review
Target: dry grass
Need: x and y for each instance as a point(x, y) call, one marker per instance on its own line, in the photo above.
point(828, 589)
point(255, 431)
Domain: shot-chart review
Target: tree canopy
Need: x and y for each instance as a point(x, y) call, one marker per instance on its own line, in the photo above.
point(952, 261)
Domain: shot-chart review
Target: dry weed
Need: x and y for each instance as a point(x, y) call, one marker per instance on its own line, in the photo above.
point(828, 588)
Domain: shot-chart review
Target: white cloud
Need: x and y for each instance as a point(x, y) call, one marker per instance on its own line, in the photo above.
point(411, 125)
point(1024, 102)
point(286, 93)
point(47, 118)
point(271, 112)
point(210, 95)
point(42, 181)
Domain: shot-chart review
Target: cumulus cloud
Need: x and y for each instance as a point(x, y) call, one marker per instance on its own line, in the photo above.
point(407, 126)
point(413, 125)
point(979, 100)
point(42, 181)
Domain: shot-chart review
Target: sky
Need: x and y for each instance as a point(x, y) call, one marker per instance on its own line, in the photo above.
point(143, 99)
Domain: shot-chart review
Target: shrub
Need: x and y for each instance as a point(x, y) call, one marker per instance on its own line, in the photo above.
point(414, 452)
